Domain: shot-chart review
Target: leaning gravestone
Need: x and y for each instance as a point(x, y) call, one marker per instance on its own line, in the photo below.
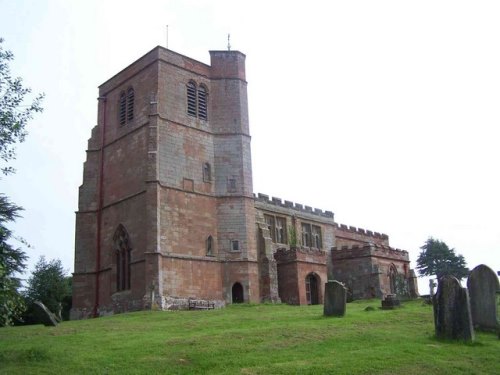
point(335, 299)
point(44, 314)
point(483, 286)
point(452, 317)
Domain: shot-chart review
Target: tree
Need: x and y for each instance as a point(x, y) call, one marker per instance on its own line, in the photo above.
point(12, 262)
point(49, 284)
point(436, 258)
point(14, 115)
point(14, 112)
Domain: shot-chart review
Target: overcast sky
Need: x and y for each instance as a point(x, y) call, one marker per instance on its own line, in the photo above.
point(384, 112)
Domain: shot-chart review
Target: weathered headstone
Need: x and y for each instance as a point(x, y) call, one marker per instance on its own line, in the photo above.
point(335, 299)
point(390, 302)
point(452, 317)
point(44, 314)
point(483, 286)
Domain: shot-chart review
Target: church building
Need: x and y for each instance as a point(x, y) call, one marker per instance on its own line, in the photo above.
point(167, 212)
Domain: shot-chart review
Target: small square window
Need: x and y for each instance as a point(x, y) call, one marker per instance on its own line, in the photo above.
point(235, 245)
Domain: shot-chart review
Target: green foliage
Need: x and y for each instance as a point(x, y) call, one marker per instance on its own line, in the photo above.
point(14, 115)
point(248, 339)
point(49, 284)
point(14, 112)
point(436, 258)
point(12, 262)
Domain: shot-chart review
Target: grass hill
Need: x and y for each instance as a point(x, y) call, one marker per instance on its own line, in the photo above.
point(248, 339)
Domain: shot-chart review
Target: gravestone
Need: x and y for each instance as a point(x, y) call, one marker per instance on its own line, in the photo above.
point(390, 302)
point(43, 313)
point(452, 317)
point(335, 299)
point(483, 286)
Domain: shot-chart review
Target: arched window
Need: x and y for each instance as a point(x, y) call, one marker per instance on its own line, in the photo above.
point(197, 100)
point(130, 104)
point(122, 111)
point(210, 246)
point(237, 293)
point(207, 172)
point(122, 251)
point(202, 102)
point(126, 107)
point(191, 98)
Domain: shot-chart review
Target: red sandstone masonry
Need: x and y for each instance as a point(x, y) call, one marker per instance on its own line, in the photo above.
point(349, 235)
point(154, 186)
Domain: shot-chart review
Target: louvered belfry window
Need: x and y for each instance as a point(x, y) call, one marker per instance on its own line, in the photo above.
point(197, 100)
point(126, 107)
point(130, 104)
point(123, 109)
point(191, 99)
point(202, 103)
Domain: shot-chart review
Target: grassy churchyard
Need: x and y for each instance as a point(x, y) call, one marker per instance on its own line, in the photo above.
point(249, 339)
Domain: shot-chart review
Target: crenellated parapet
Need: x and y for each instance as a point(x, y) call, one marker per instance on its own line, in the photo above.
point(300, 208)
point(304, 254)
point(342, 228)
point(369, 250)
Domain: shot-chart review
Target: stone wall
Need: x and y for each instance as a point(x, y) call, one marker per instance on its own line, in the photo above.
point(154, 183)
point(349, 236)
point(294, 265)
point(366, 269)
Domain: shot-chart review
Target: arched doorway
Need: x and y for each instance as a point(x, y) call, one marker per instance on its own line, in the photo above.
point(237, 293)
point(393, 273)
point(312, 293)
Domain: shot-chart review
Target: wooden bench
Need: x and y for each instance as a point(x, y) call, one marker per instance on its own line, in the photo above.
point(200, 305)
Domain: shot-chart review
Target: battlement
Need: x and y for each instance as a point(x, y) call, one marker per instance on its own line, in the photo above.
point(300, 254)
point(376, 250)
point(293, 206)
point(361, 231)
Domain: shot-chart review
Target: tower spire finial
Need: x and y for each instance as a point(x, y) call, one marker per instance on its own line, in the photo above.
point(229, 42)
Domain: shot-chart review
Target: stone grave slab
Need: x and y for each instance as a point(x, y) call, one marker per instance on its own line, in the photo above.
point(452, 315)
point(483, 286)
point(335, 299)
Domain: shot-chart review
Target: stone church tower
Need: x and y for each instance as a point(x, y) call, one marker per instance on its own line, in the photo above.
point(166, 208)
point(167, 214)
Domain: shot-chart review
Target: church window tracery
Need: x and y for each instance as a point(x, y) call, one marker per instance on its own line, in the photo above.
point(122, 252)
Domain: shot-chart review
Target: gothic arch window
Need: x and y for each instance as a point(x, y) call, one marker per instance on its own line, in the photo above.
point(122, 246)
point(393, 273)
point(197, 100)
point(126, 106)
point(207, 172)
point(191, 98)
point(202, 102)
point(210, 246)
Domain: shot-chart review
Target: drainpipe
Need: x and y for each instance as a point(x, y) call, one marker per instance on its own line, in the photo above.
point(99, 210)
